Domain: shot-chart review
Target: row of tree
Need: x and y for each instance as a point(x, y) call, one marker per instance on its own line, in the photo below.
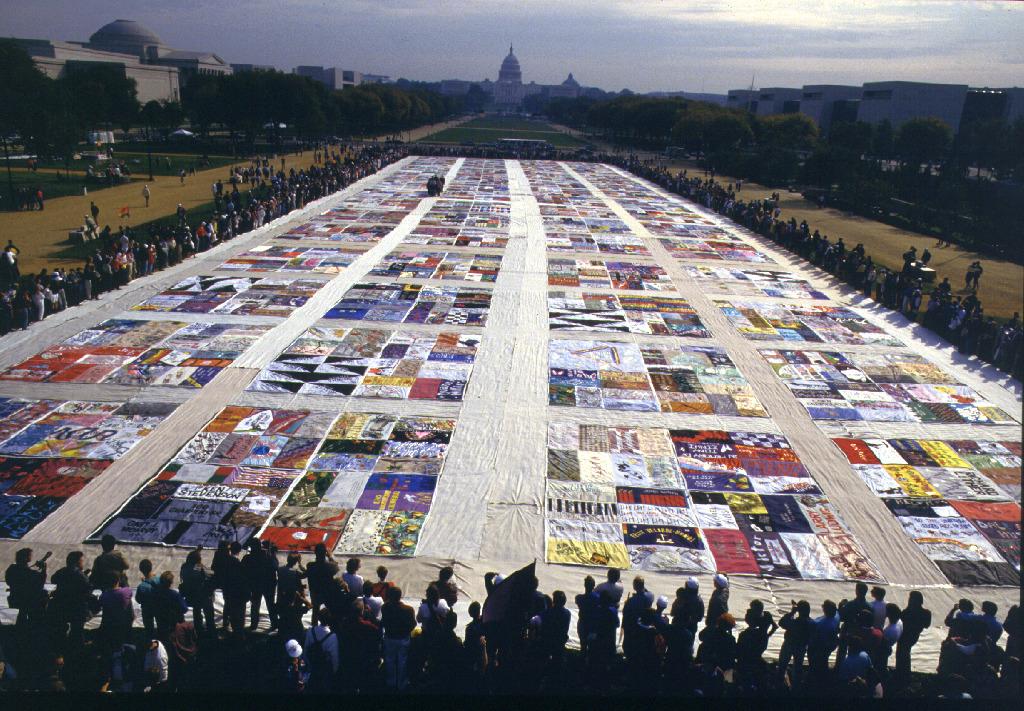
point(964, 186)
point(52, 116)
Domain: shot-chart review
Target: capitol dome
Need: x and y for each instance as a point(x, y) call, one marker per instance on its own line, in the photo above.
point(125, 36)
point(510, 71)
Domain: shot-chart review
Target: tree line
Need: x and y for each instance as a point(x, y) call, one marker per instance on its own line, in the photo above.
point(920, 175)
point(52, 116)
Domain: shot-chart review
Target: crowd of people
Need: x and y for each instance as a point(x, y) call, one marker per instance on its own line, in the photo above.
point(363, 637)
point(252, 195)
point(957, 317)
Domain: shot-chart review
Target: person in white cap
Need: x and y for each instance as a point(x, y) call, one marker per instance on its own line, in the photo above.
point(718, 605)
point(296, 674)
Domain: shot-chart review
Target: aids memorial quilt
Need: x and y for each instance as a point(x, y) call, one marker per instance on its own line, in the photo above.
point(959, 500)
point(691, 501)
point(365, 362)
point(764, 321)
point(225, 483)
point(439, 265)
point(651, 315)
point(601, 274)
point(141, 353)
point(51, 450)
point(889, 387)
point(273, 258)
point(369, 488)
point(240, 296)
point(753, 282)
point(413, 303)
point(457, 237)
point(699, 380)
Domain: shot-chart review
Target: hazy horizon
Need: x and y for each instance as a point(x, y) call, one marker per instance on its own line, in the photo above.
point(643, 45)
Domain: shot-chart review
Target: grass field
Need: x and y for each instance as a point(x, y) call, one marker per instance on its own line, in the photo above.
point(1002, 285)
point(54, 185)
point(489, 130)
point(138, 163)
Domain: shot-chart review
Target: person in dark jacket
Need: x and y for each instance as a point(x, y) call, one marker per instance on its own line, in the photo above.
point(753, 641)
point(398, 621)
point(554, 632)
point(25, 586)
point(197, 588)
point(109, 565)
point(916, 619)
point(798, 626)
point(319, 574)
point(260, 568)
point(170, 606)
point(586, 606)
point(717, 652)
point(359, 645)
point(73, 602)
point(236, 589)
point(849, 613)
point(718, 605)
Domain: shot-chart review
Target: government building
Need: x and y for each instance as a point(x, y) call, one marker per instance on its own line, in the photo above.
point(509, 91)
point(159, 71)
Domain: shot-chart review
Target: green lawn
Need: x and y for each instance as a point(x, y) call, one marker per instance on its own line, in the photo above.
point(508, 124)
point(138, 162)
point(489, 130)
point(54, 185)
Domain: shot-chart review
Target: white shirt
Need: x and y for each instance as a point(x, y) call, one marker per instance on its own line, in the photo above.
point(373, 605)
point(323, 634)
point(893, 632)
point(354, 582)
point(878, 608)
point(157, 659)
point(614, 591)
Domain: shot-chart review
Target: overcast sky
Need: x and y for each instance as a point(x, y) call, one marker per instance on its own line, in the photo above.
point(645, 45)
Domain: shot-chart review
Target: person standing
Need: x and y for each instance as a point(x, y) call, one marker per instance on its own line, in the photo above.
point(25, 589)
point(197, 588)
point(824, 639)
point(351, 576)
point(320, 649)
point(145, 194)
point(72, 601)
point(398, 621)
point(170, 606)
point(108, 564)
point(612, 586)
point(236, 590)
point(718, 605)
point(797, 623)
point(586, 607)
point(916, 618)
point(319, 573)
point(144, 595)
point(117, 614)
point(849, 612)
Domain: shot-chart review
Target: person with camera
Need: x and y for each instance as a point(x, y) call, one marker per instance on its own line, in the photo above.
point(26, 594)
